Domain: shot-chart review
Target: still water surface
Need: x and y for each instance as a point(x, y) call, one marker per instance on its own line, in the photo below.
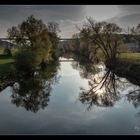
point(65, 113)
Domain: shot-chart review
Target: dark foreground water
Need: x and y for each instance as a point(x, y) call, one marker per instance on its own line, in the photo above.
point(68, 112)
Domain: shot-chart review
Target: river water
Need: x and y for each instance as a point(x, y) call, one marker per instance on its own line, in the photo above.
point(71, 107)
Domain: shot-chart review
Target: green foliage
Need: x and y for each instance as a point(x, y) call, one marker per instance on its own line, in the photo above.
point(102, 35)
point(25, 61)
point(42, 47)
point(96, 41)
point(36, 41)
point(24, 32)
point(53, 29)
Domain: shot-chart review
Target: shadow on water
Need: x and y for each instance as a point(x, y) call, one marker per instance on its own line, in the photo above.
point(32, 92)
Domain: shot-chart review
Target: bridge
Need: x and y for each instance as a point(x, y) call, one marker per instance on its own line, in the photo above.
point(67, 60)
point(61, 39)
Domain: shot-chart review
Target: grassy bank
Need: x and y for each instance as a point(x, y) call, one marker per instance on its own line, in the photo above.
point(131, 57)
point(6, 63)
point(128, 68)
point(128, 65)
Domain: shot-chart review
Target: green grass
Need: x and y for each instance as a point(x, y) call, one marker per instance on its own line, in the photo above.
point(6, 60)
point(1, 51)
point(130, 55)
point(124, 56)
point(6, 64)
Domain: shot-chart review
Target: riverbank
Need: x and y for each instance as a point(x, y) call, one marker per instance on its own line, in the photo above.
point(128, 65)
point(129, 69)
point(6, 64)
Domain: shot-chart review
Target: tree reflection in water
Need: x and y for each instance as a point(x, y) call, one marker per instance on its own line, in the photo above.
point(104, 86)
point(134, 97)
point(102, 91)
point(85, 68)
point(32, 92)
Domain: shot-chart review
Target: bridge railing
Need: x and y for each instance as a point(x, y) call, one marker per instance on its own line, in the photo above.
point(4, 38)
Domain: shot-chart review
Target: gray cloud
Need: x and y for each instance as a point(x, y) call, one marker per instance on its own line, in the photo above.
point(13, 15)
point(129, 8)
point(128, 16)
point(68, 15)
point(47, 12)
point(68, 27)
point(61, 12)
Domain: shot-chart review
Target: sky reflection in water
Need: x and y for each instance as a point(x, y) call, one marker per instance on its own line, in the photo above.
point(66, 114)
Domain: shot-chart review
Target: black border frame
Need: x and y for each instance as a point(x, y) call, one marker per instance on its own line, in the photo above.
point(69, 2)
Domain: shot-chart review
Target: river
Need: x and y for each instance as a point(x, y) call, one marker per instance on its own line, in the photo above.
point(70, 107)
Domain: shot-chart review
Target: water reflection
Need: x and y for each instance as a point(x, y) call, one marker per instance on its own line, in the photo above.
point(134, 97)
point(62, 114)
point(85, 68)
point(32, 91)
point(102, 91)
point(105, 87)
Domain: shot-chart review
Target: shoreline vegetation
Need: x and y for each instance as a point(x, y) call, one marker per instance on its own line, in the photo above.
point(127, 66)
point(6, 64)
point(129, 69)
point(37, 46)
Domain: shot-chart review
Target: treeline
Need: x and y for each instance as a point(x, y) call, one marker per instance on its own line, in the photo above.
point(101, 40)
point(36, 63)
point(38, 43)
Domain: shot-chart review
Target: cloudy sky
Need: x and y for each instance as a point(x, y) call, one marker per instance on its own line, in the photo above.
point(68, 16)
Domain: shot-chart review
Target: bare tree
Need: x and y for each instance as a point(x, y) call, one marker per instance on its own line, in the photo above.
point(104, 36)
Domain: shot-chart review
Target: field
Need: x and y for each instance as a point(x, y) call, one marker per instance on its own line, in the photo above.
point(125, 56)
point(131, 57)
